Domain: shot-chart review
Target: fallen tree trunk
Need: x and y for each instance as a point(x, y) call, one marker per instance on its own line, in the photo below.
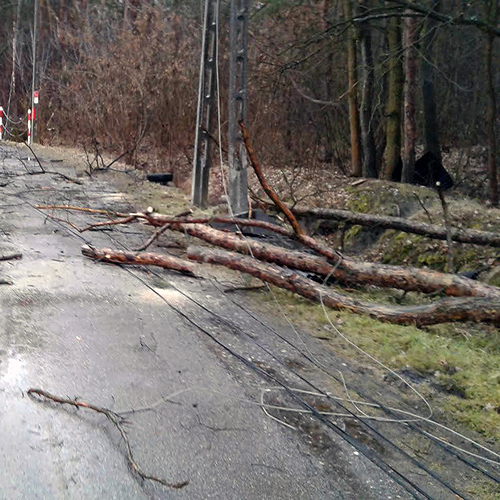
point(145, 259)
point(433, 231)
point(345, 270)
point(479, 309)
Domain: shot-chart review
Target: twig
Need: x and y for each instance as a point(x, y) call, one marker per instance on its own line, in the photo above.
point(129, 151)
point(58, 219)
point(109, 213)
point(155, 236)
point(115, 419)
point(14, 256)
point(256, 197)
point(125, 220)
point(36, 157)
point(423, 206)
point(161, 230)
point(447, 227)
point(243, 288)
point(267, 188)
point(43, 171)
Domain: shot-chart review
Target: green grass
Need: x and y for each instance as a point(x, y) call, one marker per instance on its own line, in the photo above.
point(484, 490)
point(461, 363)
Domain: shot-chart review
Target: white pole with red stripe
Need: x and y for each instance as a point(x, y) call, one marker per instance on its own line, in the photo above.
point(1, 123)
point(29, 126)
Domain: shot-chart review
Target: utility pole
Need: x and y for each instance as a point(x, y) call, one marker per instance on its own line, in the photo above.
point(238, 183)
point(204, 115)
point(35, 84)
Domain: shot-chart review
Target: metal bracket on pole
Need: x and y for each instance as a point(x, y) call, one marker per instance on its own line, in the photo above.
point(204, 115)
point(238, 184)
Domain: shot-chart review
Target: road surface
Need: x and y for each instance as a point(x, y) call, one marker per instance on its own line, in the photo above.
point(125, 339)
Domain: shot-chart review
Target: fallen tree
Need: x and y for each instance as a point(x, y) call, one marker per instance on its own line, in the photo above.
point(343, 269)
point(481, 302)
point(477, 309)
point(144, 259)
point(433, 231)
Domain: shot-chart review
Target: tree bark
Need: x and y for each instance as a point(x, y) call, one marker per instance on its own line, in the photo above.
point(492, 107)
point(15, 36)
point(472, 236)
point(144, 259)
point(352, 93)
point(369, 150)
point(344, 269)
point(431, 127)
point(442, 311)
point(410, 125)
point(393, 135)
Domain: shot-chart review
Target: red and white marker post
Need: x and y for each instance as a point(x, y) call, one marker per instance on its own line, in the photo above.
point(1, 123)
point(29, 126)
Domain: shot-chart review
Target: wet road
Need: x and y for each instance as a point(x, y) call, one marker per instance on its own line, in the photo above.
point(97, 332)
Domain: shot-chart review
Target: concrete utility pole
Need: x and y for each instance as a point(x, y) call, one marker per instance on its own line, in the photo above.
point(35, 84)
point(204, 115)
point(238, 184)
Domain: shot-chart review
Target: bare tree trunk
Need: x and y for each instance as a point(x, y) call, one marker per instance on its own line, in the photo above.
point(393, 144)
point(352, 95)
point(345, 270)
point(446, 310)
point(125, 13)
point(143, 259)
point(492, 108)
point(369, 151)
point(62, 14)
point(431, 128)
point(410, 125)
point(329, 128)
point(471, 236)
point(15, 36)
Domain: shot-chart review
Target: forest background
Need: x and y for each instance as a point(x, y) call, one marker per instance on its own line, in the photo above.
point(355, 84)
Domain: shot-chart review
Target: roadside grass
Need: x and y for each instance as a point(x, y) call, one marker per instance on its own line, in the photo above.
point(484, 490)
point(459, 363)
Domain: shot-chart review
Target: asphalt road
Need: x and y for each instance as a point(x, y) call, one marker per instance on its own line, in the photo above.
point(110, 337)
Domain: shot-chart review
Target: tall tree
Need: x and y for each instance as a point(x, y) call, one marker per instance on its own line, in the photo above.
point(15, 36)
point(493, 14)
point(369, 151)
point(393, 134)
point(431, 127)
point(352, 93)
point(410, 126)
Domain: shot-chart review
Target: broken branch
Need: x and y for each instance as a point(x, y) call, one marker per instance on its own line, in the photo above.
point(109, 213)
point(144, 259)
point(267, 188)
point(116, 420)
